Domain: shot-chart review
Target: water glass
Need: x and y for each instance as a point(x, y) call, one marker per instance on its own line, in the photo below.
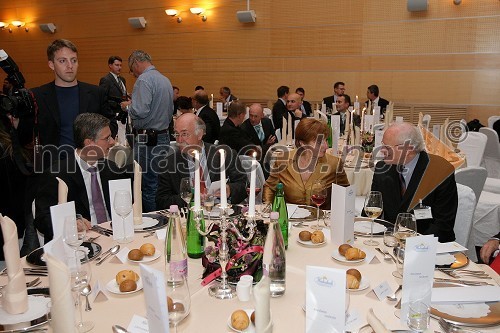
point(418, 316)
point(389, 239)
point(400, 259)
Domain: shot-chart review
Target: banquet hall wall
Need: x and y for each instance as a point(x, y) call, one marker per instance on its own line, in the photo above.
point(448, 55)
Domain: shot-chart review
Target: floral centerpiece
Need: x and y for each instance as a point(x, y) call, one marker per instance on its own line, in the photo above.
point(367, 141)
point(245, 258)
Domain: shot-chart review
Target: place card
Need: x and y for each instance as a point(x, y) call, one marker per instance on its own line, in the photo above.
point(156, 299)
point(368, 123)
point(118, 226)
point(97, 292)
point(418, 271)
point(354, 321)
point(335, 122)
point(122, 255)
point(325, 299)
point(376, 114)
point(138, 324)
point(58, 213)
point(342, 217)
point(219, 109)
point(382, 290)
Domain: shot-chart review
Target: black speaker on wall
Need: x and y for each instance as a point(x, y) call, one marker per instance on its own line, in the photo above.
point(417, 5)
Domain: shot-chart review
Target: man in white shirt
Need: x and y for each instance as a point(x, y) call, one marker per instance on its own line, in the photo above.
point(372, 93)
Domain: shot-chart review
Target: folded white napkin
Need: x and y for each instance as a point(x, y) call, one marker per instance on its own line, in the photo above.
point(63, 316)
point(262, 298)
point(478, 294)
point(291, 208)
point(444, 259)
point(375, 323)
point(15, 296)
point(137, 205)
point(449, 247)
point(62, 191)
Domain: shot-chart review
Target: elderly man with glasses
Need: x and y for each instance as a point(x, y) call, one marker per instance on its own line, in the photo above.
point(189, 131)
point(408, 175)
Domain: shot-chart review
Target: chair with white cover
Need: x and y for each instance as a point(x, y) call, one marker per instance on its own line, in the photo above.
point(465, 213)
point(492, 185)
point(268, 113)
point(491, 157)
point(491, 120)
point(378, 127)
point(473, 145)
point(426, 120)
point(277, 132)
point(474, 177)
point(246, 163)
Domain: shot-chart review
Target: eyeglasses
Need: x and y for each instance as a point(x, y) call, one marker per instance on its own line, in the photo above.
point(108, 139)
point(184, 135)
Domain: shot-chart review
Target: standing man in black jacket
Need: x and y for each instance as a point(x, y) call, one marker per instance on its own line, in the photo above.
point(208, 115)
point(114, 84)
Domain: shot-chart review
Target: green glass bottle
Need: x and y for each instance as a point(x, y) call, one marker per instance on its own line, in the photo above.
point(279, 205)
point(195, 241)
point(329, 138)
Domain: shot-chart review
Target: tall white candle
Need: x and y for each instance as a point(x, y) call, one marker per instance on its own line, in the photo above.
point(253, 175)
point(223, 194)
point(197, 201)
point(357, 98)
point(362, 120)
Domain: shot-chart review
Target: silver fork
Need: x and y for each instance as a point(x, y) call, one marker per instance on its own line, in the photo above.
point(452, 328)
point(386, 255)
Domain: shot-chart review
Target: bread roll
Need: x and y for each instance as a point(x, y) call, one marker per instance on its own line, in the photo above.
point(305, 235)
point(128, 285)
point(240, 320)
point(148, 249)
point(354, 272)
point(126, 275)
point(252, 317)
point(318, 237)
point(351, 282)
point(354, 254)
point(343, 248)
point(135, 255)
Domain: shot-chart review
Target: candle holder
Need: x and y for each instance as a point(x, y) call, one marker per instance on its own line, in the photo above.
point(223, 290)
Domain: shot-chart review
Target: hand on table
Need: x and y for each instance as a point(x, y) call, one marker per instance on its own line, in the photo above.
point(83, 224)
point(487, 250)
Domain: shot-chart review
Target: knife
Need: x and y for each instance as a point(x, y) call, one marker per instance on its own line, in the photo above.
point(464, 282)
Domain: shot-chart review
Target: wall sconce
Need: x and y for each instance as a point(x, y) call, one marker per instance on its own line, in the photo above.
point(49, 28)
point(174, 13)
point(198, 11)
point(3, 25)
point(19, 24)
point(137, 22)
point(457, 2)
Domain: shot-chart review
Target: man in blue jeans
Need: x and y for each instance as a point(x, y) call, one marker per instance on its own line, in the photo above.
point(151, 109)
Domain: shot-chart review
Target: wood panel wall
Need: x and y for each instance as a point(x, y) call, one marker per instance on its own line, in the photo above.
point(448, 55)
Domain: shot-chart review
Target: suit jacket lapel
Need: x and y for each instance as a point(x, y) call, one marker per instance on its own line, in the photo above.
point(84, 99)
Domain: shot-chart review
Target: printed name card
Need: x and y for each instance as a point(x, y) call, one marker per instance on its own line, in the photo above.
point(156, 299)
point(342, 217)
point(118, 226)
point(219, 109)
point(382, 290)
point(418, 271)
point(58, 214)
point(335, 121)
point(376, 114)
point(325, 299)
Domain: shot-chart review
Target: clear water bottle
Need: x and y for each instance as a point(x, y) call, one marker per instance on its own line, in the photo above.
point(175, 250)
point(274, 261)
point(279, 205)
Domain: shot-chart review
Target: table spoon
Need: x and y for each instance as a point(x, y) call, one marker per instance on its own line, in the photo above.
point(393, 297)
point(119, 329)
point(86, 291)
point(114, 250)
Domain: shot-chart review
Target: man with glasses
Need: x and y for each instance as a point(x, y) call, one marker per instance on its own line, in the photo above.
point(189, 131)
point(151, 109)
point(86, 172)
point(408, 175)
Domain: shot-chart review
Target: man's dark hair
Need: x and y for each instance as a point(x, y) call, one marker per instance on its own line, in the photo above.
point(87, 126)
point(184, 102)
point(373, 89)
point(175, 87)
point(198, 88)
point(112, 59)
point(57, 45)
point(235, 109)
point(226, 90)
point(201, 97)
point(301, 90)
point(282, 90)
point(347, 98)
point(337, 84)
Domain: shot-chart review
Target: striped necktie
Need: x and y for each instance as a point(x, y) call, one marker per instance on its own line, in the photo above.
point(97, 200)
point(260, 132)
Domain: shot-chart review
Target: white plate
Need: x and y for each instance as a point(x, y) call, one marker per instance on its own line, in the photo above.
point(337, 256)
point(147, 222)
point(147, 258)
point(363, 284)
point(216, 212)
point(310, 243)
point(364, 227)
point(113, 287)
point(249, 329)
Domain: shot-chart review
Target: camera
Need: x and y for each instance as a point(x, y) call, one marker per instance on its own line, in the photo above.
point(21, 103)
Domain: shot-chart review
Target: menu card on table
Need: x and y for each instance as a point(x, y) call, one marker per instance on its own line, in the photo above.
point(376, 114)
point(58, 214)
point(219, 109)
point(418, 271)
point(342, 216)
point(118, 225)
point(335, 120)
point(156, 299)
point(325, 299)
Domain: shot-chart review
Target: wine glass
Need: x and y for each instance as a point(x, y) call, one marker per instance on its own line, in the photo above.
point(405, 226)
point(373, 209)
point(71, 235)
point(81, 275)
point(318, 197)
point(179, 303)
point(186, 190)
point(399, 255)
point(122, 203)
point(208, 204)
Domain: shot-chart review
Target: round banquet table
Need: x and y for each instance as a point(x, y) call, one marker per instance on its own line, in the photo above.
point(210, 315)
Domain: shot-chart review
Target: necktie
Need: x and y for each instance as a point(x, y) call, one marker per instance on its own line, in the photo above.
point(97, 200)
point(402, 182)
point(260, 132)
point(121, 85)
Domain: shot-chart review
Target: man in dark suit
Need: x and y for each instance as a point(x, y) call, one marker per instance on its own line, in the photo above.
point(60, 101)
point(208, 115)
point(86, 173)
point(114, 84)
point(338, 89)
point(179, 164)
point(343, 102)
point(232, 134)
point(372, 93)
point(408, 174)
point(306, 106)
point(279, 108)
